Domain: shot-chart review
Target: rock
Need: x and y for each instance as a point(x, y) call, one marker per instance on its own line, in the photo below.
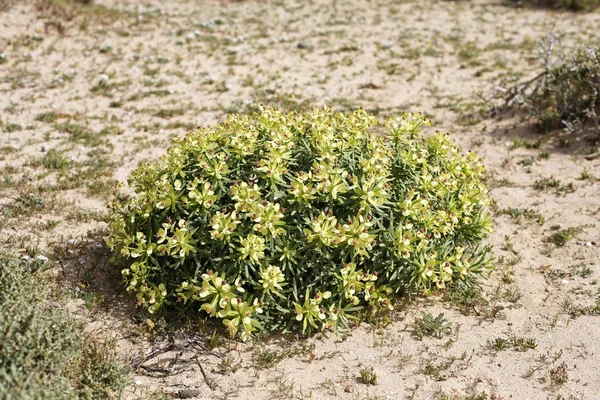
point(103, 79)
point(304, 45)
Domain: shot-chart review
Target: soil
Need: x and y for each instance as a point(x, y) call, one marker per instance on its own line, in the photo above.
point(124, 77)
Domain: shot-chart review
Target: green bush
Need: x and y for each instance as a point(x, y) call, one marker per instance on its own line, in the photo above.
point(280, 220)
point(572, 5)
point(42, 353)
point(570, 95)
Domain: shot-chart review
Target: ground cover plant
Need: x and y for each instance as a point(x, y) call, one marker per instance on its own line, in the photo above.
point(301, 219)
point(43, 354)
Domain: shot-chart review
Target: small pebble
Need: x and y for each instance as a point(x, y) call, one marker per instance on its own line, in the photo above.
point(304, 45)
point(103, 79)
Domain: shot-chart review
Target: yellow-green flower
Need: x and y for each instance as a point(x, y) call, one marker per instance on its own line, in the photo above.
point(272, 279)
point(323, 231)
point(253, 248)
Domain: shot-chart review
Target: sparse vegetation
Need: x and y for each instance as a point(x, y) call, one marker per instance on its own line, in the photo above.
point(518, 214)
point(518, 343)
point(429, 325)
point(562, 236)
point(559, 374)
point(92, 90)
point(368, 376)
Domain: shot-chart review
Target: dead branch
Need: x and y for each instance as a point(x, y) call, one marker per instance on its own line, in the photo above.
point(176, 364)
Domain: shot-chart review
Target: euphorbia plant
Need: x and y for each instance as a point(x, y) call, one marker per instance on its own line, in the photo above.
point(300, 220)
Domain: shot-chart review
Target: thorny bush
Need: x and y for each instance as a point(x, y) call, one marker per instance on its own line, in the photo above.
point(570, 95)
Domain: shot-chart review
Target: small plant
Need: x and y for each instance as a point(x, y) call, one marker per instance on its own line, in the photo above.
point(305, 220)
point(562, 236)
point(518, 142)
point(430, 325)
point(520, 343)
point(499, 344)
point(546, 183)
point(517, 343)
point(559, 374)
point(47, 117)
point(466, 297)
point(55, 160)
point(585, 174)
point(517, 214)
point(368, 376)
point(266, 358)
point(577, 310)
point(551, 183)
point(12, 127)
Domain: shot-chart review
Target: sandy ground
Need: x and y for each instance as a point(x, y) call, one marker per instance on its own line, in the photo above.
point(85, 97)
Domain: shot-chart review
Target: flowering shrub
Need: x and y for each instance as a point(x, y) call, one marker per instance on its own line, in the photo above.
point(280, 220)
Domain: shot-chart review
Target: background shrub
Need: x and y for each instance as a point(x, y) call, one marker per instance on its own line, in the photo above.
point(572, 5)
point(281, 220)
point(570, 95)
point(42, 353)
